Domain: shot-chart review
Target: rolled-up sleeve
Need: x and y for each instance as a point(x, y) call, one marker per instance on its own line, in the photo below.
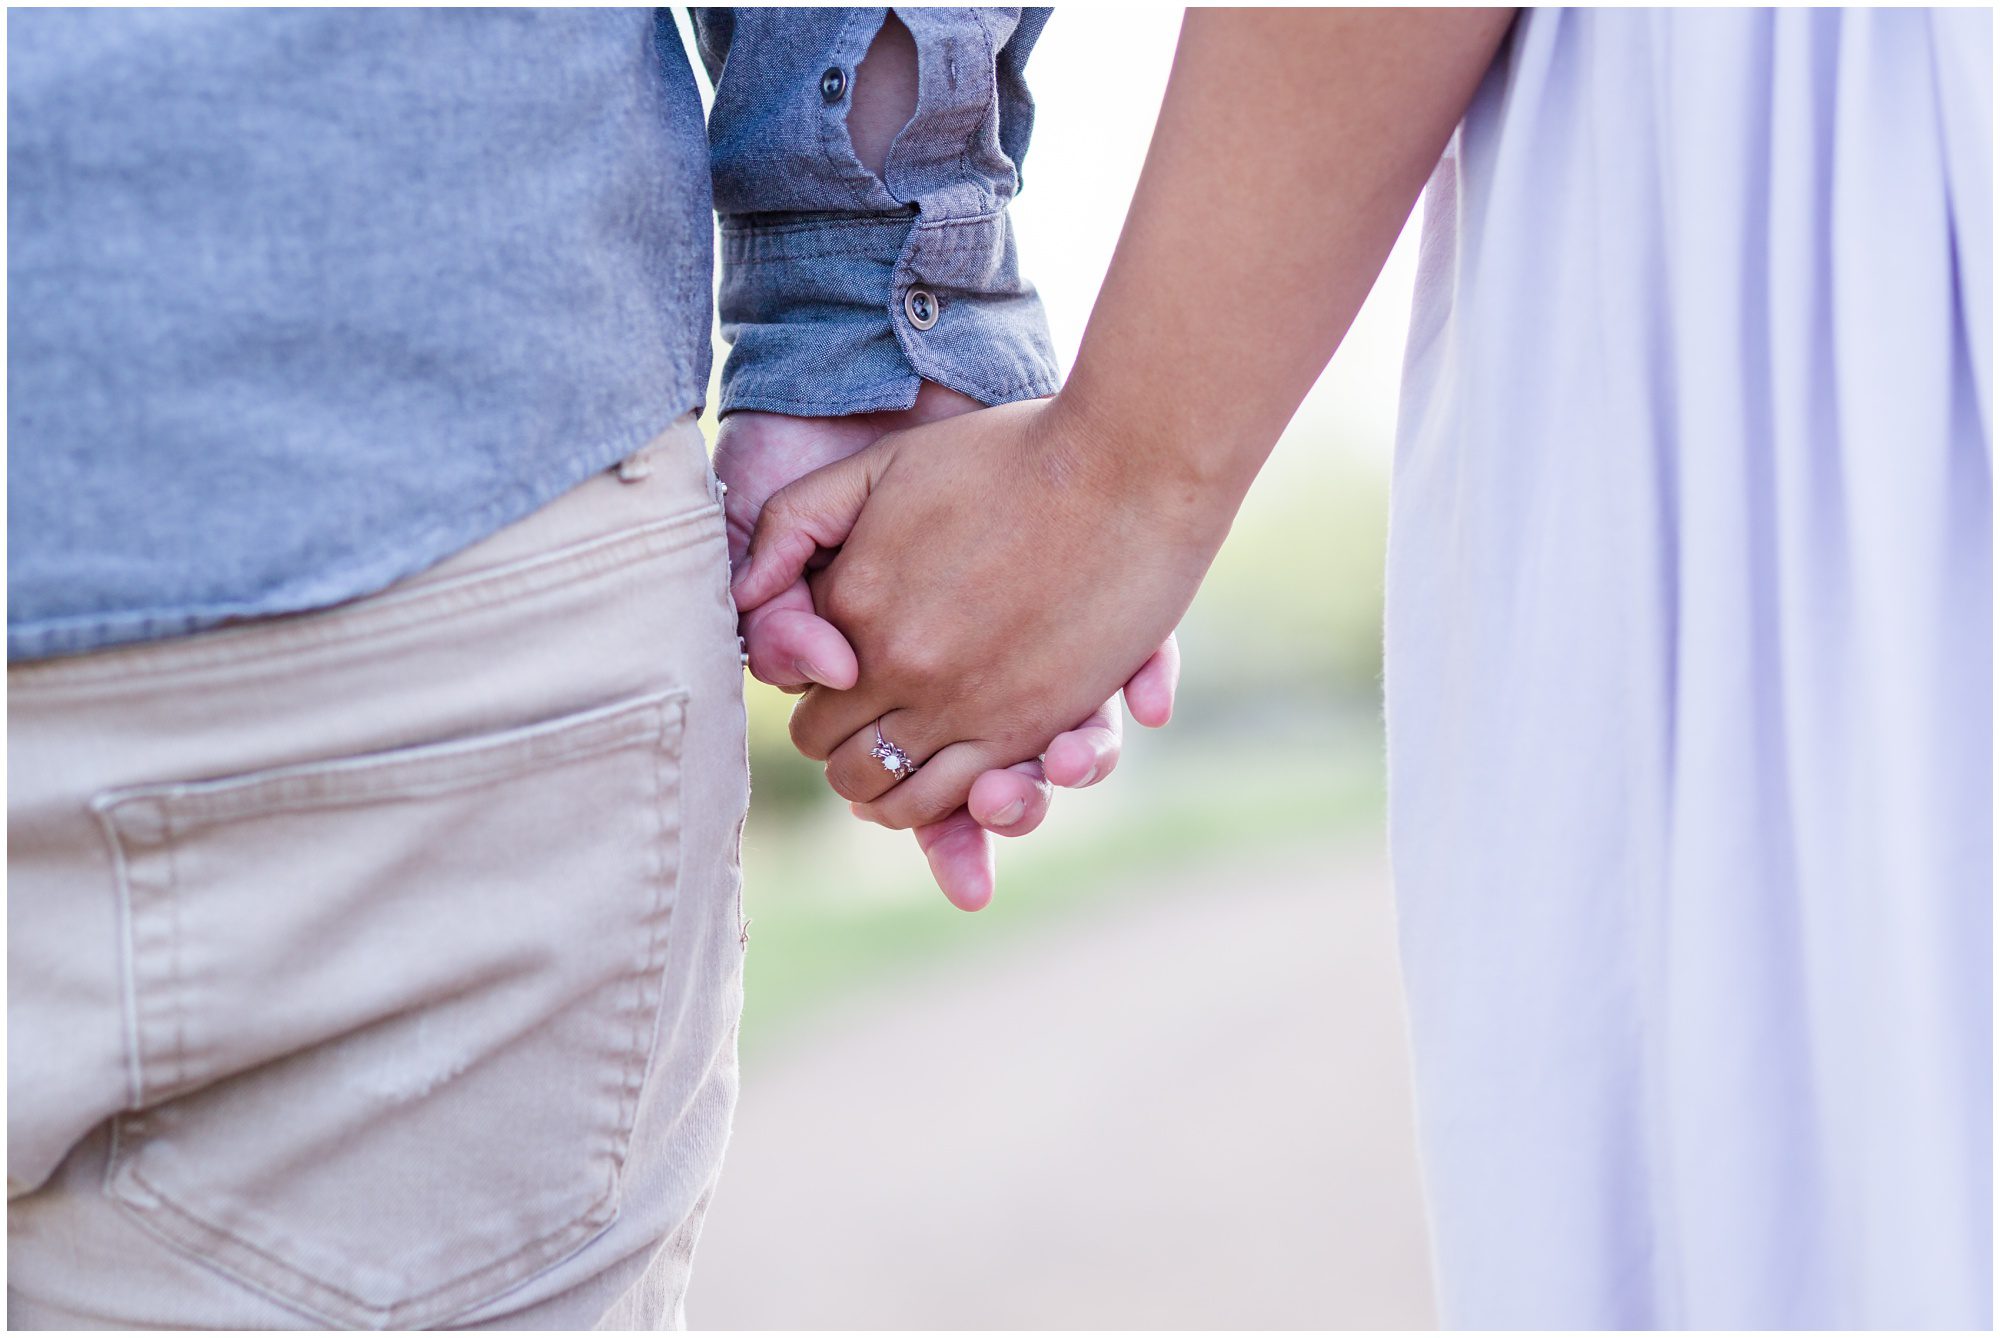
point(841, 291)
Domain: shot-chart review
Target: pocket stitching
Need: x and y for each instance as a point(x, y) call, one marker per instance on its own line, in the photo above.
point(639, 1052)
point(648, 985)
point(177, 998)
point(200, 1231)
point(603, 730)
point(372, 777)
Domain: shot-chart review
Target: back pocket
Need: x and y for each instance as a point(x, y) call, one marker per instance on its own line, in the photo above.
point(390, 1014)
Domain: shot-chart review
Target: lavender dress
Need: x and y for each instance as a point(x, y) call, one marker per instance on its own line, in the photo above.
point(1689, 675)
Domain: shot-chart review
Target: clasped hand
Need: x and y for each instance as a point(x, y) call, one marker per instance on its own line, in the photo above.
point(997, 579)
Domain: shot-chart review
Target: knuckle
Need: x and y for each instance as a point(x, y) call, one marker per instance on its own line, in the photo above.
point(917, 809)
point(765, 669)
point(805, 735)
point(912, 658)
point(932, 810)
point(847, 596)
point(843, 783)
point(780, 510)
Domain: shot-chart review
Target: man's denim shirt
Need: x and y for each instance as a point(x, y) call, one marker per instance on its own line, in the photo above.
point(304, 301)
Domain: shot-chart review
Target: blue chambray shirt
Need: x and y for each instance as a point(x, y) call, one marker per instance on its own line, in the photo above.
point(303, 301)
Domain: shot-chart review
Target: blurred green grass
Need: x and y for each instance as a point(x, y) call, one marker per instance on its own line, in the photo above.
point(834, 907)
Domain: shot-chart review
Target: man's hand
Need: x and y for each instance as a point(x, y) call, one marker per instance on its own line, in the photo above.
point(996, 580)
point(791, 647)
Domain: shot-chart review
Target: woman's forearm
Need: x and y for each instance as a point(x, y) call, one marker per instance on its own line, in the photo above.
point(1289, 151)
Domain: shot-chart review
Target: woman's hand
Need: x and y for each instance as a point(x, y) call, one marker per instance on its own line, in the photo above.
point(792, 648)
point(756, 454)
point(1007, 575)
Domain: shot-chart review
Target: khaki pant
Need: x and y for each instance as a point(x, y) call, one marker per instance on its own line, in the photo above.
point(381, 966)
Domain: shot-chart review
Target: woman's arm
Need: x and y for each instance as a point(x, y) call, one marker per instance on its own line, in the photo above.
point(1003, 572)
point(1290, 149)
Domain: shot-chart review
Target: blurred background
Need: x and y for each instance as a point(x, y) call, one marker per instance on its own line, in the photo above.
point(1160, 1082)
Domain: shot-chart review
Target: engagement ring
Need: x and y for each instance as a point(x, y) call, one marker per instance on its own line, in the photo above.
point(893, 759)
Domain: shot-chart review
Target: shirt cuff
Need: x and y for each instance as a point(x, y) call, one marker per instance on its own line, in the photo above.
point(847, 315)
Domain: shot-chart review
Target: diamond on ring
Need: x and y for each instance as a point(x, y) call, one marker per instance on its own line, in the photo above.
point(893, 759)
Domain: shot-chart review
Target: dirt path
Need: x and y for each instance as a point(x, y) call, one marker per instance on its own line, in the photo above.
point(1188, 1109)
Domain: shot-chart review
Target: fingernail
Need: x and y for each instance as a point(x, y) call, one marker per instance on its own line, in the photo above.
point(1011, 814)
point(1088, 777)
point(807, 670)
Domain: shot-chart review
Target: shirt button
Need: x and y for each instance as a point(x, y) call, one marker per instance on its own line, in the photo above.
point(832, 84)
point(921, 308)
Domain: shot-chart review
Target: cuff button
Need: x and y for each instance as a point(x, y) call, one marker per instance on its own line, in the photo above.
point(921, 308)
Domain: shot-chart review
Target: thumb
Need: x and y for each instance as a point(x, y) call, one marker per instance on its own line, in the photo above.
point(811, 513)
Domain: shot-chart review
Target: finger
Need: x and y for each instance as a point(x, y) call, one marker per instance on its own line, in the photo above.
point(961, 860)
point(1010, 802)
point(857, 775)
point(941, 787)
point(1150, 693)
point(790, 645)
point(1086, 755)
point(739, 518)
point(823, 721)
point(801, 518)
